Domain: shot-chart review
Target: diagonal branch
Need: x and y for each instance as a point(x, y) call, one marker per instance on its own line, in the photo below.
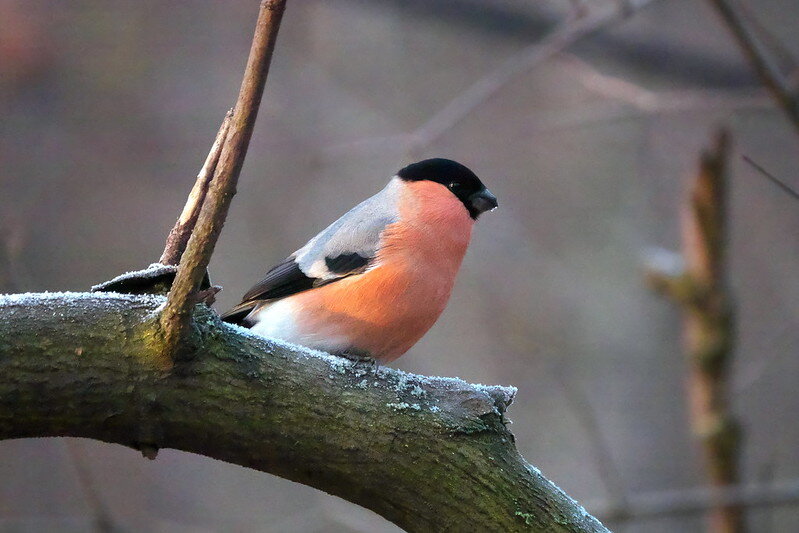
point(179, 235)
point(682, 502)
point(766, 66)
point(783, 57)
point(787, 189)
point(564, 36)
point(176, 317)
point(429, 454)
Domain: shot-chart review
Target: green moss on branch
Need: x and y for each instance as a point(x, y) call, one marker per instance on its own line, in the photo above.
point(428, 454)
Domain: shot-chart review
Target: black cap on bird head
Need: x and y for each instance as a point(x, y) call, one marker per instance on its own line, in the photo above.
point(461, 182)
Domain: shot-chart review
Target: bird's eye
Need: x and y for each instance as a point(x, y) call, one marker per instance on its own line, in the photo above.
point(453, 184)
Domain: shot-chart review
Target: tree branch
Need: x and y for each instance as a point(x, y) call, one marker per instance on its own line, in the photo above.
point(429, 454)
point(649, 505)
point(564, 36)
point(787, 189)
point(176, 317)
point(701, 290)
point(179, 236)
point(766, 66)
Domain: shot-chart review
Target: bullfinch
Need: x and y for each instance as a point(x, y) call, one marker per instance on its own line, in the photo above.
point(373, 282)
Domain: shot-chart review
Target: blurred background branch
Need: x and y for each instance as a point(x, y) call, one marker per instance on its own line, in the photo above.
point(704, 296)
point(576, 27)
point(697, 501)
point(787, 189)
point(764, 57)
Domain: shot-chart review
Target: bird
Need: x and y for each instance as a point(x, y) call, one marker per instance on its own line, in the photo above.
point(372, 283)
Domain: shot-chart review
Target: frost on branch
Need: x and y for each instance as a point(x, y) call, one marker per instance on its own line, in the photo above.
point(91, 365)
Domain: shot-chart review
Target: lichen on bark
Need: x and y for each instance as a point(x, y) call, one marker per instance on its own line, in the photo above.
point(426, 453)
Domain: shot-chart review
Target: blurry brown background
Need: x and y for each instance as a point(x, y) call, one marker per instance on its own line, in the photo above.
point(107, 110)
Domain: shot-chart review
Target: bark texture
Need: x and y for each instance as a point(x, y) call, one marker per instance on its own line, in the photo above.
point(429, 454)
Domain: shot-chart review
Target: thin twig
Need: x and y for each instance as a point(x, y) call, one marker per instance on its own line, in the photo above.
point(774, 179)
point(179, 236)
point(565, 35)
point(766, 66)
point(665, 102)
point(702, 291)
point(596, 81)
point(783, 55)
point(697, 500)
point(670, 102)
point(176, 316)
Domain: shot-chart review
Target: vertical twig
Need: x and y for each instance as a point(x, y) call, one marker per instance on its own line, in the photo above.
point(766, 66)
point(702, 291)
point(176, 317)
point(179, 235)
point(709, 328)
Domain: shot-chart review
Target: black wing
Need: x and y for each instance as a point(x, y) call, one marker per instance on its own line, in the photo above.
point(282, 280)
point(287, 278)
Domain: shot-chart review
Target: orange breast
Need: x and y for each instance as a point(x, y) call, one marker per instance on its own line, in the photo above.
point(389, 308)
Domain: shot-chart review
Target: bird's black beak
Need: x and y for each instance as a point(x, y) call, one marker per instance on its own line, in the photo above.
point(482, 201)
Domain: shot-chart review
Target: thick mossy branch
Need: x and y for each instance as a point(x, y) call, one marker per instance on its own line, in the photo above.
point(429, 454)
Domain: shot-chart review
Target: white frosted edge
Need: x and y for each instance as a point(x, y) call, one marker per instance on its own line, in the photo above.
point(152, 271)
point(31, 298)
point(406, 381)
